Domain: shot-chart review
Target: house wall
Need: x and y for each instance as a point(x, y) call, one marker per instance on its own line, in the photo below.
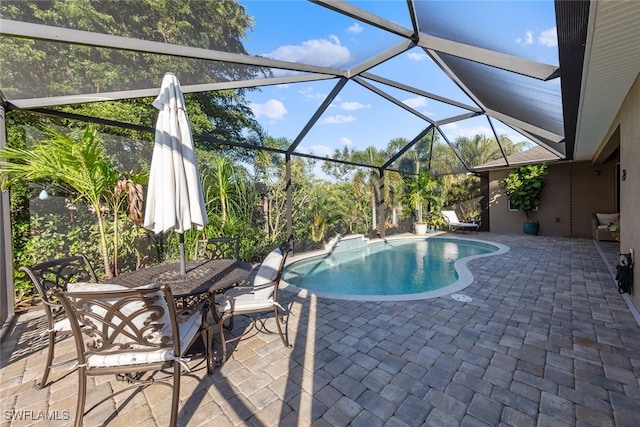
point(629, 116)
point(573, 191)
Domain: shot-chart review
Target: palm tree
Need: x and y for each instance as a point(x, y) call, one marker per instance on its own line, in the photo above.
point(372, 156)
point(79, 164)
point(222, 185)
point(423, 190)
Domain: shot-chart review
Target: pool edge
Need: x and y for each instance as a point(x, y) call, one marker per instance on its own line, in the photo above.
point(465, 277)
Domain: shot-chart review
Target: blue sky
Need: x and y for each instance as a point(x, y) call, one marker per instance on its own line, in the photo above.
point(299, 31)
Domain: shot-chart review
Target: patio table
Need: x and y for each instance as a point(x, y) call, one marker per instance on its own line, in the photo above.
point(202, 277)
point(200, 281)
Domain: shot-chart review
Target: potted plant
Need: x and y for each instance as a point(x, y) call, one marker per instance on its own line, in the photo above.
point(423, 192)
point(523, 186)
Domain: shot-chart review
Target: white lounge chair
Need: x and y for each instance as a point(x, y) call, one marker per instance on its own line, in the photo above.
point(455, 224)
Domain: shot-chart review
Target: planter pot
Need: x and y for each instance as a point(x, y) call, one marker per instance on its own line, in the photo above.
point(420, 228)
point(530, 227)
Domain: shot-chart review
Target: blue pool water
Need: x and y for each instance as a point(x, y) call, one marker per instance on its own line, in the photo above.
point(393, 267)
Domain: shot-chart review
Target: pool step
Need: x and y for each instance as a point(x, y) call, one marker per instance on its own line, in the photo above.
point(348, 243)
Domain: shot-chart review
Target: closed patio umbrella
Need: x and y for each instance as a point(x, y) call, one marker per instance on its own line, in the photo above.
point(174, 197)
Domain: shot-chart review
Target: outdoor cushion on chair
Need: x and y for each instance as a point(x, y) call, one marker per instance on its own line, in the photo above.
point(47, 277)
point(258, 295)
point(455, 224)
point(601, 223)
point(128, 331)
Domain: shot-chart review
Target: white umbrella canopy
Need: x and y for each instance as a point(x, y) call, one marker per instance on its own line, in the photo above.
point(174, 196)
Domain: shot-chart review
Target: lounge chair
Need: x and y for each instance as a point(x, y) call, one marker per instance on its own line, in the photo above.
point(455, 224)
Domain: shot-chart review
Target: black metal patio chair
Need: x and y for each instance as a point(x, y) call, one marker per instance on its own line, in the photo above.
point(48, 277)
point(133, 333)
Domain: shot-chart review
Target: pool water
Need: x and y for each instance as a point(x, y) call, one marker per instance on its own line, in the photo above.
point(393, 267)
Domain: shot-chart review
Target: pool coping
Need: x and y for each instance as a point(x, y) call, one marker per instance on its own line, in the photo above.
point(465, 277)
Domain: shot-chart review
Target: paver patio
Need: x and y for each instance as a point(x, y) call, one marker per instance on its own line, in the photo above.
point(547, 340)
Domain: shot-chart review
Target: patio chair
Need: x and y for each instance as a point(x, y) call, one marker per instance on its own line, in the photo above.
point(130, 332)
point(259, 294)
point(55, 275)
point(217, 248)
point(454, 223)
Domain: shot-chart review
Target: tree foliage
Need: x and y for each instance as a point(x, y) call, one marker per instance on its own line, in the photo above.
point(33, 67)
point(523, 186)
point(80, 164)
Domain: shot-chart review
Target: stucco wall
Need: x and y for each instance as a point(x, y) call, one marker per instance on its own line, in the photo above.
point(630, 187)
point(573, 191)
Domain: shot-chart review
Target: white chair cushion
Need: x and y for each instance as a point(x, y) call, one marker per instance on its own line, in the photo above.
point(606, 219)
point(62, 325)
point(93, 287)
point(188, 331)
point(452, 219)
point(267, 273)
point(129, 310)
point(451, 216)
point(246, 301)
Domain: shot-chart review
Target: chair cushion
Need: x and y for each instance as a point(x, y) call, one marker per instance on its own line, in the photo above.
point(607, 218)
point(187, 330)
point(450, 216)
point(267, 272)
point(62, 325)
point(158, 335)
point(92, 287)
point(246, 300)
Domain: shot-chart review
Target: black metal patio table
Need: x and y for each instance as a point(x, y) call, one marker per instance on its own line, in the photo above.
point(201, 277)
point(200, 281)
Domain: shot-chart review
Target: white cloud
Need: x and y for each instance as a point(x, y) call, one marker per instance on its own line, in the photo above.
point(322, 52)
point(549, 38)
point(272, 109)
point(416, 102)
point(453, 131)
point(417, 56)
point(338, 119)
point(319, 150)
point(355, 28)
point(353, 105)
point(345, 141)
point(527, 39)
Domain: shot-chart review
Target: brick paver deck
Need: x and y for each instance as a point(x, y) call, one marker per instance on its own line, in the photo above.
point(547, 340)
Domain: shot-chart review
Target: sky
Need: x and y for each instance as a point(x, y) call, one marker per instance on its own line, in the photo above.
point(300, 31)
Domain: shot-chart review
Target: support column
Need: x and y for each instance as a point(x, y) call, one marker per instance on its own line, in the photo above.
point(289, 196)
point(7, 294)
point(382, 217)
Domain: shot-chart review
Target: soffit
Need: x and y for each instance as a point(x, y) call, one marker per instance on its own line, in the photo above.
point(612, 64)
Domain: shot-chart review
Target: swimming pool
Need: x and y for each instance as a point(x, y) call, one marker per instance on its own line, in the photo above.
point(393, 269)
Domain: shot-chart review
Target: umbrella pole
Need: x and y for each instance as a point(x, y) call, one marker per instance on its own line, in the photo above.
point(183, 269)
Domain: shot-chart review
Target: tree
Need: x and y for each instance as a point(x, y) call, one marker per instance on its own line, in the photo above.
point(367, 178)
point(523, 186)
point(79, 163)
point(423, 192)
point(37, 67)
